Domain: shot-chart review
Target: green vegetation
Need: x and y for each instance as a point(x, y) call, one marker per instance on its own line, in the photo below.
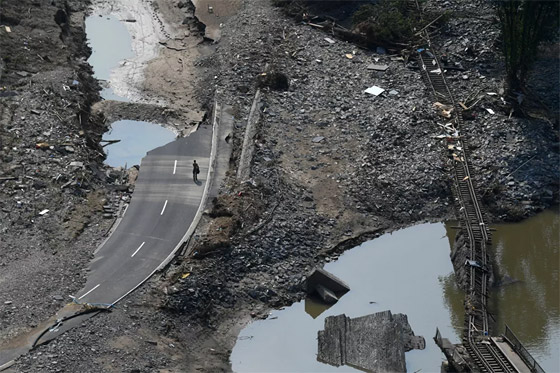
point(391, 22)
point(386, 22)
point(524, 24)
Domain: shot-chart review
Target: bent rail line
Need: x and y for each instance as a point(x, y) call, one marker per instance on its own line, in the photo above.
point(473, 224)
point(484, 355)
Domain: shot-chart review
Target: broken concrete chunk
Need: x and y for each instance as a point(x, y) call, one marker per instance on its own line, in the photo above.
point(374, 90)
point(77, 164)
point(326, 295)
point(318, 138)
point(377, 67)
point(375, 342)
point(329, 287)
point(329, 40)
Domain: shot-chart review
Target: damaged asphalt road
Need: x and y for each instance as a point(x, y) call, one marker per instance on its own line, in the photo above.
point(378, 167)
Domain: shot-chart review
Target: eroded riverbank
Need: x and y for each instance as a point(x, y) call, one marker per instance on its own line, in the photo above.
point(409, 271)
point(376, 168)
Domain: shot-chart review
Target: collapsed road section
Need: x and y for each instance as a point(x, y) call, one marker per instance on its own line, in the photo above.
point(165, 203)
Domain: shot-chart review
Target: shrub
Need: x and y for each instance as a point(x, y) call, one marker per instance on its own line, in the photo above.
point(524, 25)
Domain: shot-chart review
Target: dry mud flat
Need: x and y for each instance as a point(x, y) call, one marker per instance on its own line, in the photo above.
point(333, 166)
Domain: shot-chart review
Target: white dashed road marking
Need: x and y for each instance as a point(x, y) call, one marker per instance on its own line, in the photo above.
point(163, 209)
point(175, 167)
point(95, 287)
point(138, 249)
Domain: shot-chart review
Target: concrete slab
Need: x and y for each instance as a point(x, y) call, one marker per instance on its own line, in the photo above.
point(321, 277)
point(512, 356)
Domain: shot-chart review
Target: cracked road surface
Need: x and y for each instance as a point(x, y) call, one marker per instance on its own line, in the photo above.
point(163, 206)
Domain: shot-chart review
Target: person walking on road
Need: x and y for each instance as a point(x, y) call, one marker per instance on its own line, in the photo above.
point(195, 171)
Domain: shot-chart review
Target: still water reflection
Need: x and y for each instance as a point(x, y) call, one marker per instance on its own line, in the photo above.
point(405, 272)
point(110, 44)
point(529, 252)
point(137, 138)
point(409, 271)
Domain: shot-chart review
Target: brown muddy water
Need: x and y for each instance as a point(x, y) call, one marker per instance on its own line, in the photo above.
point(529, 252)
point(409, 271)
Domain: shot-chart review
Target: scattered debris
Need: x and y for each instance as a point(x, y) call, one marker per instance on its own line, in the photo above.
point(377, 67)
point(374, 90)
point(443, 110)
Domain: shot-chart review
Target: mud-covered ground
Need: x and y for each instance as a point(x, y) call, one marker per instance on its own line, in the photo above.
point(333, 166)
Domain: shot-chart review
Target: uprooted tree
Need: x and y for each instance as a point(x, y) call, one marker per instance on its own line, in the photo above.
point(525, 24)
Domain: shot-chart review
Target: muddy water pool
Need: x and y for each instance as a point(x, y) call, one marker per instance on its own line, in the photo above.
point(529, 252)
point(111, 45)
point(137, 138)
point(404, 272)
point(409, 271)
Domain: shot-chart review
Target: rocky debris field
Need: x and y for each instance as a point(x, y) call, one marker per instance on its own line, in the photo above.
point(516, 159)
point(333, 166)
point(51, 186)
point(57, 199)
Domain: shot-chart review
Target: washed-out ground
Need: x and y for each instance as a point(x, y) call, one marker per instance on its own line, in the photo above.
point(333, 166)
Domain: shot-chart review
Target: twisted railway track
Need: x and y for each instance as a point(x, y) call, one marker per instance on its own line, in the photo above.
point(484, 355)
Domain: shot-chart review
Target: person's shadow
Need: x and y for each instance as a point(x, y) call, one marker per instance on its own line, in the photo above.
point(198, 182)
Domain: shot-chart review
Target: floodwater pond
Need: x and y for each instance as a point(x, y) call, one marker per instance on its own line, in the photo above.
point(136, 139)
point(111, 44)
point(404, 272)
point(409, 271)
point(529, 252)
